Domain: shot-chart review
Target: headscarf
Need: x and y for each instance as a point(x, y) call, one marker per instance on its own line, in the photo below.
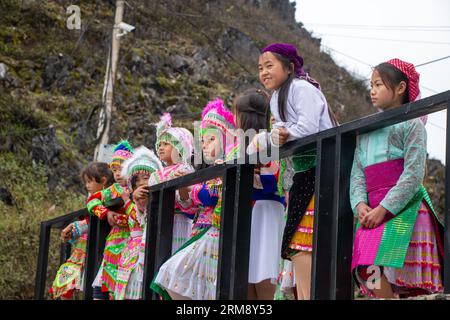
point(216, 115)
point(142, 161)
point(122, 151)
point(413, 80)
point(290, 52)
point(180, 138)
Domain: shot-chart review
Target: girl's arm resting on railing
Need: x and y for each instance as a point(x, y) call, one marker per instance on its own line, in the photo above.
point(307, 106)
point(185, 205)
point(95, 205)
point(79, 228)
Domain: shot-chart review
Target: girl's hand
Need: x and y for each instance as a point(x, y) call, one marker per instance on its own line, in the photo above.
point(141, 204)
point(272, 120)
point(126, 195)
point(179, 173)
point(121, 220)
point(66, 233)
point(141, 193)
point(184, 193)
point(112, 217)
point(362, 208)
point(374, 218)
point(280, 136)
point(218, 161)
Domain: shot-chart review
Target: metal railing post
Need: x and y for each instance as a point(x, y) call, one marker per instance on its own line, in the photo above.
point(226, 234)
point(64, 252)
point(165, 227)
point(325, 205)
point(446, 280)
point(240, 241)
point(150, 245)
point(91, 253)
point(343, 238)
point(41, 272)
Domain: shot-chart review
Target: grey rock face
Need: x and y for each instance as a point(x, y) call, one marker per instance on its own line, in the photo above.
point(240, 46)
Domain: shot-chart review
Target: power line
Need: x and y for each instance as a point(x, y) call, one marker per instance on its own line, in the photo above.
point(382, 39)
point(381, 27)
point(428, 62)
point(436, 125)
point(434, 91)
point(368, 64)
point(346, 55)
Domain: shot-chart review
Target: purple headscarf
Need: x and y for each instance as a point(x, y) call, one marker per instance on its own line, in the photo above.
point(289, 51)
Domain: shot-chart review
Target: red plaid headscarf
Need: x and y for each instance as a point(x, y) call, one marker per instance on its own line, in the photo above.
point(413, 81)
point(412, 75)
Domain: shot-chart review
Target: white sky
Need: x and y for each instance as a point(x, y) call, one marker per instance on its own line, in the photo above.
point(418, 21)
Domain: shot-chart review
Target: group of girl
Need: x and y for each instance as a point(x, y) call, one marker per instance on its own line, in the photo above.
point(398, 237)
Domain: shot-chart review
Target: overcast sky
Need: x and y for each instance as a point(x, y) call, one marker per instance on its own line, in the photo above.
point(418, 31)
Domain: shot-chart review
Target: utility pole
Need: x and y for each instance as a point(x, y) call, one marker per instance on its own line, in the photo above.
point(104, 122)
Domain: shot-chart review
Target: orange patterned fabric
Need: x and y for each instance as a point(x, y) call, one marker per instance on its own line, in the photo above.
point(303, 237)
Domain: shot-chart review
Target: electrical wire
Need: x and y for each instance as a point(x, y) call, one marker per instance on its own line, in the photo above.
point(380, 27)
point(382, 39)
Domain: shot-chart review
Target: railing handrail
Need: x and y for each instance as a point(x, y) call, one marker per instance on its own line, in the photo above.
point(58, 222)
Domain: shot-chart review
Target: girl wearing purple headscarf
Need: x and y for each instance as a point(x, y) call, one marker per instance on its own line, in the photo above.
point(300, 109)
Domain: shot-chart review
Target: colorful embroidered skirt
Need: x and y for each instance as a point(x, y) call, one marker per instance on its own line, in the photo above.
point(192, 271)
point(303, 237)
point(300, 195)
point(422, 268)
point(406, 245)
point(130, 269)
point(285, 281)
point(69, 276)
point(115, 243)
point(182, 228)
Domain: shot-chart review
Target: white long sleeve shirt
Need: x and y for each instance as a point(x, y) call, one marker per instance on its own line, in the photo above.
point(306, 110)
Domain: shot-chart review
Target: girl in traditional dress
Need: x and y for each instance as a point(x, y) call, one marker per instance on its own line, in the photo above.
point(70, 276)
point(398, 247)
point(191, 273)
point(130, 268)
point(251, 111)
point(300, 109)
point(104, 283)
point(175, 147)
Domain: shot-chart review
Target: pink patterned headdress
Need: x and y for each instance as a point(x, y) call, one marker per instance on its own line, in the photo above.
point(216, 115)
point(180, 138)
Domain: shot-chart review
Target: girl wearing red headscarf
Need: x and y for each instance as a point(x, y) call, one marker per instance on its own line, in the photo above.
point(299, 109)
point(398, 249)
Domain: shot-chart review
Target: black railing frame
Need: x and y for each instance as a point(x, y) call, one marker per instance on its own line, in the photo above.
point(44, 246)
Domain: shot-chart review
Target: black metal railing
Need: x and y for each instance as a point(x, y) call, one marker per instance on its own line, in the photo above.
point(44, 246)
point(333, 223)
point(98, 230)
